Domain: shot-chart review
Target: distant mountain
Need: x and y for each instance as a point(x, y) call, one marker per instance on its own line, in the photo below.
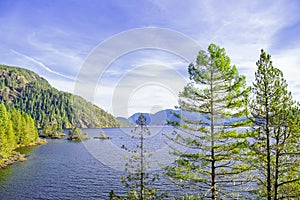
point(32, 94)
point(163, 116)
point(123, 121)
point(133, 118)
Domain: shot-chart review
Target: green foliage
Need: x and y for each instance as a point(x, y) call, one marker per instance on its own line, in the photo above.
point(139, 182)
point(16, 129)
point(102, 136)
point(4, 117)
point(213, 164)
point(191, 197)
point(26, 91)
point(76, 134)
point(275, 150)
point(51, 131)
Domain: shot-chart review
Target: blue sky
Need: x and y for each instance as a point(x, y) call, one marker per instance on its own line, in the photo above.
point(54, 39)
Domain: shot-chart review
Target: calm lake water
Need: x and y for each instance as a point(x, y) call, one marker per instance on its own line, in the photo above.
point(90, 170)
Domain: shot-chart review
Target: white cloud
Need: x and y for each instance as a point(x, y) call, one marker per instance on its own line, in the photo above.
point(41, 64)
point(241, 27)
point(63, 50)
point(124, 95)
point(289, 63)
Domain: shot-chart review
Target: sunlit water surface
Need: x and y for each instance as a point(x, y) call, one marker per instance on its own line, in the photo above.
point(68, 170)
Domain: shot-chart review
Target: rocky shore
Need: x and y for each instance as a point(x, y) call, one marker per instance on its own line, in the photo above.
point(17, 156)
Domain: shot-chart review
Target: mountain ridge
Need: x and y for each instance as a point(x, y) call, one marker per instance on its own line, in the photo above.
point(163, 116)
point(25, 90)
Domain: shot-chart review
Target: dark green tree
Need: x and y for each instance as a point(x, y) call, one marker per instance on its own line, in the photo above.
point(213, 163)
point(275, 148)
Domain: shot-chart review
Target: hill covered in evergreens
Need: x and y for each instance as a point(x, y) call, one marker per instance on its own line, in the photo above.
point(28, 92)
point(16, 129)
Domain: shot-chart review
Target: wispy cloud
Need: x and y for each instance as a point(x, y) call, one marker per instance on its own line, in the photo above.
point(140, 89)
point(59, 47)
point(41, 64)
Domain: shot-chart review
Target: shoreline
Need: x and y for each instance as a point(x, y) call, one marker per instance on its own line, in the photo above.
point(17, 156)
point(14, 158)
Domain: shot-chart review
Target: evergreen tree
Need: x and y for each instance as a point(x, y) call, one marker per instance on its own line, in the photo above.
point(23, 137)
point(77, 135)
point(276, 133)
point(4, 122)
point(10, 135)
point(213, 163)
point(138, 181)
point(3, 116)
point(2, 143)
point(33, 133)
point(15, 129)
point(15, 117)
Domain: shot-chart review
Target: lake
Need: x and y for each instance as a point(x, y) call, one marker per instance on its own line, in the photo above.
point(89, 170)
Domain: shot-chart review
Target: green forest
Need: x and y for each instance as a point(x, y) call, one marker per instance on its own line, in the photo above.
point(26, 91)
point(17, 129)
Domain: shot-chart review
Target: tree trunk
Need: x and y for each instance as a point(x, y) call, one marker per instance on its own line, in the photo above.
point(276, 168)
point(213, 167)
point(142, 164)
point(269, 196)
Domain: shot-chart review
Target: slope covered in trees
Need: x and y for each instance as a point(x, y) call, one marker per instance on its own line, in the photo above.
point(30, 93)
point(16, 129)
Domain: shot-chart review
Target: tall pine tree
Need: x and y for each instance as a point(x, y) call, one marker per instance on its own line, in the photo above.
point(139, 182)
point(275, 146)
point(215, 93)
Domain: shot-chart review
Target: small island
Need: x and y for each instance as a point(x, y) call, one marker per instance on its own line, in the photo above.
point(102, 136)
point(51, 132)
point(76, 135)
point(55, 135)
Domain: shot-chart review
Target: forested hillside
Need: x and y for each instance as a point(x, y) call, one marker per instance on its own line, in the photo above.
point(26, 91)
point(16, 129)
